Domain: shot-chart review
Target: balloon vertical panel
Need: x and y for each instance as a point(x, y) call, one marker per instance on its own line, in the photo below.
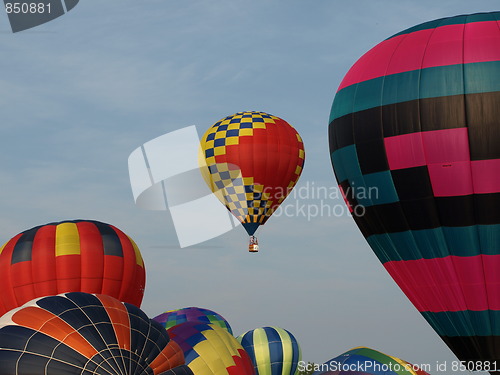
point(92, 260)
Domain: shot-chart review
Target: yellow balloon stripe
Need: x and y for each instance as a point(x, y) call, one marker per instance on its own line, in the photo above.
point(405, 366)
point(138, 256)
point(215, 353)
point(200, 366)
point(229, 341)
point(261, 351)
point(3, 247)
point(67, 239)
point(286, 345)
point(218, 338)
point(210, 363)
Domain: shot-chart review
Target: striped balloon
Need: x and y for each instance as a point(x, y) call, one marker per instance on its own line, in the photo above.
point(273, 350)
point(415, 144)
point(85, 334)
point(192, 314)
point(70, 256)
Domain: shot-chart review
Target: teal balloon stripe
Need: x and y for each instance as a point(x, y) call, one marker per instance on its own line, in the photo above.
point(457, 20)
point(436, 243)
point(417, 84)
point(464, 323)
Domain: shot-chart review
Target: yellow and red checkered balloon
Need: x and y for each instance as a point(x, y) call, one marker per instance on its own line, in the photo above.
point(252, 161)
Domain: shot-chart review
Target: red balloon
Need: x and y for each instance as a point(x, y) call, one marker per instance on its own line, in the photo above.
point(70, 256)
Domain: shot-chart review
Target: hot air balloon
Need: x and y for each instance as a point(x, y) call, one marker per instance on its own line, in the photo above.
point(273, 350)
point(415, 144)
point(210, 349)
point(70, 256)
point(83, 334)
point(192, 314)
point(251, 161)
point(366, 361)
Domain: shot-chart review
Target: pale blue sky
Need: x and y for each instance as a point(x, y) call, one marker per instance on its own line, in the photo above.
point(79, 94)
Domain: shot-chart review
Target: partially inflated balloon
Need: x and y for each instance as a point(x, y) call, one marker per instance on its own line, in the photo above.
point(252, 161)
point(273, 350)
point(415, 145)
point(85, 334)
point(366, 361)
point(192, 314)
point(70, 256)
point(211, 350)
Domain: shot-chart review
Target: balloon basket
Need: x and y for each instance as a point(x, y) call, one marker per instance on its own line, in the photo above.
point(253, 246)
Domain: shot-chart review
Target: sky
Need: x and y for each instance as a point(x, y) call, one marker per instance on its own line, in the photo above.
point(80, 93)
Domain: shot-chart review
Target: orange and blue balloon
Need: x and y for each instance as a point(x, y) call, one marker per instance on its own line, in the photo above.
point(80, 333)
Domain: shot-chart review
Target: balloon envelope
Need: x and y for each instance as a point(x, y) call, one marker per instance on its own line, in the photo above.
point(85, 334)
point(209, 349)
point(366, 361)
point(273, 350)
point(192, 314)
point(251, 161)
point(415, 144)
point(70, 256)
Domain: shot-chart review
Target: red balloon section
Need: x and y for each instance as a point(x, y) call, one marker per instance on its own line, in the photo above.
point(70, 256)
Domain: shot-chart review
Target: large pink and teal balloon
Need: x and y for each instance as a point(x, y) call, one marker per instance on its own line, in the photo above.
point(415, 144)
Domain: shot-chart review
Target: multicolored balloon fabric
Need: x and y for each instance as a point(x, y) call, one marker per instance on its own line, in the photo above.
point(211, 350)
point(251, 161)
point(85, 334)
point(70, 256)
point(192, 314)
point(273, 350)
point(366, 361)
point(415, 144)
